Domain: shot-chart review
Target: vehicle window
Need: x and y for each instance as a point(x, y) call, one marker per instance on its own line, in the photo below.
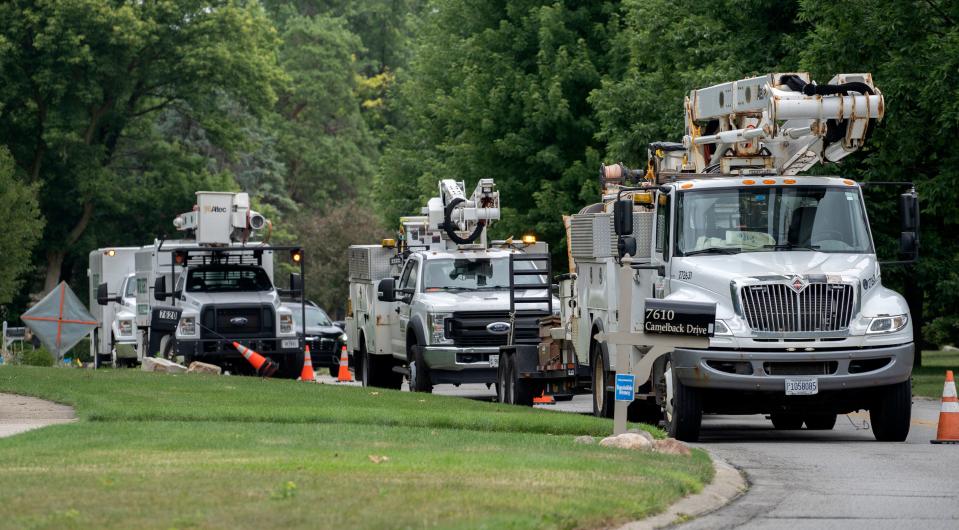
point(410, 275)
point(315, 317)
point(227, 279)
point(130, 290)
point(771, 219)
point(474, 274)
point(662, 225)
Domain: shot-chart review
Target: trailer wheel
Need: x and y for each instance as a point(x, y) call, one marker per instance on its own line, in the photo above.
point(820, 422)
point(891, 412)
point(602, 400)
point(520, 392)
point(684, 409)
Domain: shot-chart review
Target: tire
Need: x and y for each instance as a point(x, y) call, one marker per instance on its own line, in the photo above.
point(520, 391)
point(419, 371)
point(684, 408)
point(783, 421)
point(891, 412)
point(602, 400)
point(374, 372)
point(820, 422)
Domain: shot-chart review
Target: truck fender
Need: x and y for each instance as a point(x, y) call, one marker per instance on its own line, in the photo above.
point(418, 327)
point(597, 327)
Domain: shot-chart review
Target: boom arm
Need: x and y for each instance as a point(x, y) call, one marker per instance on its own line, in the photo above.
point(462, 220)
point(779, 123)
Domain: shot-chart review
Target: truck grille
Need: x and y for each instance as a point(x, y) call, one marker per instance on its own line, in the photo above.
point(468, 329)
point(237, 321)
point(777, 308)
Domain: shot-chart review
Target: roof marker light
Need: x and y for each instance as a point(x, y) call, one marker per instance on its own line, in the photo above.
point(687, 185)
point(749, 182)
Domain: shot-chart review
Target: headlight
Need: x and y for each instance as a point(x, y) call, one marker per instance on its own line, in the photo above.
point(438, 328)
point(888, 324)
point(187, 325)
point(286, 323)
point(721, 328)
point(126, 328)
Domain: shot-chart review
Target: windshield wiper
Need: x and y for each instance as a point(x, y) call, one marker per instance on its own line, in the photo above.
point(791, 246)
point(451, 288)
point(714, 250)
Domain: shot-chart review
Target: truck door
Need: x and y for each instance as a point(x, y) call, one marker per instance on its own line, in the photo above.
point(409, 281)
point(661, 242)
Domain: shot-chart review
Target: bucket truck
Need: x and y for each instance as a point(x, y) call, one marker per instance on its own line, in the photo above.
point(433, 304)
point(801, 327)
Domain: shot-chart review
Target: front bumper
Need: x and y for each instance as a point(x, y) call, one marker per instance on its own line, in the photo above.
point(224, 349)
point(766, 371)
point(456, 359)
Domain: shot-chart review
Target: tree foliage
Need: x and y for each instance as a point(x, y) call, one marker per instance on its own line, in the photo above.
point(21, 224)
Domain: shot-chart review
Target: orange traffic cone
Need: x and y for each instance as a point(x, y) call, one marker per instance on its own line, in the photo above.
point(544, 399)
point(948, 432)
point(344, 376)
point(307, 373)
point(264, 366)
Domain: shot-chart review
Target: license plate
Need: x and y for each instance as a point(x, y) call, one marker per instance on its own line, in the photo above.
point(494, 361)
point(290, 343)
point(802, 387)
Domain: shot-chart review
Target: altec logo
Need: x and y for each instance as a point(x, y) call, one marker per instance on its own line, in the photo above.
point(214, 209)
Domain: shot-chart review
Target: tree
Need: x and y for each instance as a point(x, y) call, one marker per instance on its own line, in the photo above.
point(326, 238)
point(499, 89)
point(22, 227)
point(78, 75)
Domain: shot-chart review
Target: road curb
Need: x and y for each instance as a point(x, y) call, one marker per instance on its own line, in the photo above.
point(728, 485)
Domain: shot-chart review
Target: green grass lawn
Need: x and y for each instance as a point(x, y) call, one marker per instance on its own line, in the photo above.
point(161, 451)
point(927, 380)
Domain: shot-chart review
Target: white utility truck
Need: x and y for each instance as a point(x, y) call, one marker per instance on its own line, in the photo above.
point(435, 306)
point(194, 297)
point(114, 339)
point(803, 327)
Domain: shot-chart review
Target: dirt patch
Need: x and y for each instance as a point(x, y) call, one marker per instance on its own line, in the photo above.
point(21, 413)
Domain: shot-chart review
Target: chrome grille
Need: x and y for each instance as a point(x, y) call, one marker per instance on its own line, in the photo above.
point(777, 308)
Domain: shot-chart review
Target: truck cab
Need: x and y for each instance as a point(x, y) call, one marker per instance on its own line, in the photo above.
point(804, 327)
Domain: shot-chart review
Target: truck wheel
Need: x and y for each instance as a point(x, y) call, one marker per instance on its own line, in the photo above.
point(602, 400)
point(891, 412)
point(684, 408)
point(419, 372)
point(820, 422)
point(520, 391)
point(783, 421)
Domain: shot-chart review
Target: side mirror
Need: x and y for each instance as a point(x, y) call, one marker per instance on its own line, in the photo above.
point(103, 298)
point(909, 222)
point(623, 217)
point(340, 324)
point(386, 290)
point(159, 289)
point(626, 245)
point(296, 283)
point(908, 245)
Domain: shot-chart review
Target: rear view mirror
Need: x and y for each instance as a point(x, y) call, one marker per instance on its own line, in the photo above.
point(296, 283)
point(159, 289)
point(623, 217)
point(103, 298)
point(386, 290)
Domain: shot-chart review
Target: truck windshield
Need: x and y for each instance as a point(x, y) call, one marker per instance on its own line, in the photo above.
point(227, 279)
point(473, 274)
point(770, 219)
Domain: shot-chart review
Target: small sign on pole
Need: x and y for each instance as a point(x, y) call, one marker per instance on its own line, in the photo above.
point(624, 387)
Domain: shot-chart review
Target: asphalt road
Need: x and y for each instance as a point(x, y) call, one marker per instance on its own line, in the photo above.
point(841, 478)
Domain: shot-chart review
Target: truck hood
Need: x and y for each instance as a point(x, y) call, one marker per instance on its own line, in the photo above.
point(448, 301)
point(198, 300)
point(716, 272)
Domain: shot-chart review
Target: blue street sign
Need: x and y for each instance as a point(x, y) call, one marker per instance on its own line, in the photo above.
point(624, 387)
